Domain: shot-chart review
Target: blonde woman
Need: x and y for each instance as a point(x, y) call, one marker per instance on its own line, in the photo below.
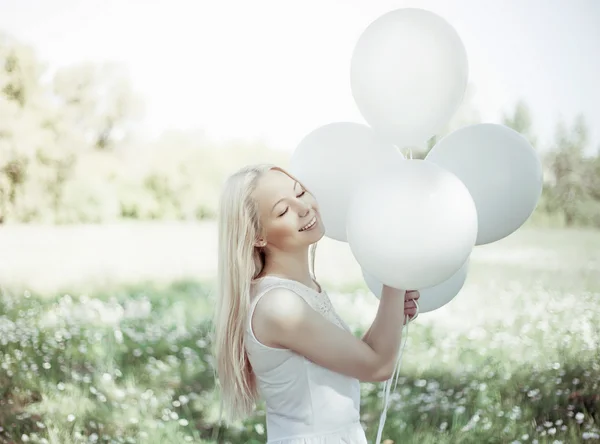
point(277, 335)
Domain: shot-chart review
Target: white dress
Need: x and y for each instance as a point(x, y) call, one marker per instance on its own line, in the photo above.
point(305, 403)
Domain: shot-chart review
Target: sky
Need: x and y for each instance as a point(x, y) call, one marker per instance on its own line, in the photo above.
point(277, 69)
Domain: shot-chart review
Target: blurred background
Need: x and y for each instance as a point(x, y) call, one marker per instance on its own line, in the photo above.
point(119, 120)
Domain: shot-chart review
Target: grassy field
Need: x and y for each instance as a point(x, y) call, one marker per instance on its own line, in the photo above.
point(104, 338)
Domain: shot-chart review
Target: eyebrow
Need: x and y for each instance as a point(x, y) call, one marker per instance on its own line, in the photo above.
point(276, 203)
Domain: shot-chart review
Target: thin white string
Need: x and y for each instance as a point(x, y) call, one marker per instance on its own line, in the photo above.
point(386, 398)
point(405, 341)
point(388, 384)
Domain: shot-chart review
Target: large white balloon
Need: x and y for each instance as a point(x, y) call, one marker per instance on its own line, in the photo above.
point(431, 298)
point(409, 73)
point(333, 160)
point(413, 228)
point(501, 170)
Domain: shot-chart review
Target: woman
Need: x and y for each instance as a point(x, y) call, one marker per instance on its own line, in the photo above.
point(277, 334)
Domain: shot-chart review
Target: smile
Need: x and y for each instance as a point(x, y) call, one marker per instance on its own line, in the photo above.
point(309, 225)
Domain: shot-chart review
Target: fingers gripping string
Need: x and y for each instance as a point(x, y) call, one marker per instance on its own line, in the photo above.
point(395, 374)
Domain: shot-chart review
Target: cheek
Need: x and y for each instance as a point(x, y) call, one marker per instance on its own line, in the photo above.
point(280, 229)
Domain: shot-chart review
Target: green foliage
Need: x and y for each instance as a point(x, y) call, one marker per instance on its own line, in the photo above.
point(134, 364)
point(573, 183)
point(516, 353)
point(521, 121)
point(67, 155)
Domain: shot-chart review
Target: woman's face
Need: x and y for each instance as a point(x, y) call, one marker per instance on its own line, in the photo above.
point(288, 213)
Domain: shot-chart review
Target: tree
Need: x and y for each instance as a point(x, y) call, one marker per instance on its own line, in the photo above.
point(45, 130)
point(568, 167)
point(521, 121)
point(99, 100)
point(20, 105)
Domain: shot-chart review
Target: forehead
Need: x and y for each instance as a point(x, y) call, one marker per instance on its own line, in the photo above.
point(272, 186)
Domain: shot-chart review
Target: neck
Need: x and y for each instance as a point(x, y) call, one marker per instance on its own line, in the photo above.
point(289, 264)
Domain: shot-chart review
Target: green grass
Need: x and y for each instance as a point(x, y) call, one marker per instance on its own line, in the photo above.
point(514, 358)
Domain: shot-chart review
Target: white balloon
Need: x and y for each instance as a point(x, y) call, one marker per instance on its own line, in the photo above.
point(409, 74)
point(332, 161)
point(501, 170)
point(431, 298)
point(413, 228)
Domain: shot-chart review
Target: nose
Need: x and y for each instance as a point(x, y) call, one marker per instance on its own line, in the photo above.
point(304, 211)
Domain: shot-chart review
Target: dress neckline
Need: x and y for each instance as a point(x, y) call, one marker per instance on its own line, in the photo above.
point(272, 276)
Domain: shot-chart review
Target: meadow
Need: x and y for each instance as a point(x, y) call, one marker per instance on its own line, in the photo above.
point(104, 338)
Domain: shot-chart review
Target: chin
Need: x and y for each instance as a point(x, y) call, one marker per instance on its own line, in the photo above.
point(318, 233)
point(314, 235)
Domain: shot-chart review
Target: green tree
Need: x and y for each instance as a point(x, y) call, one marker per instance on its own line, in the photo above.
point(21, 121)
point(99, 100)
point(570, 170)
point(521, 121)
point(47, 130)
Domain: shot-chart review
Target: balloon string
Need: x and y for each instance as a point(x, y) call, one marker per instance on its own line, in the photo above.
point(395, 374)
point(404, 344)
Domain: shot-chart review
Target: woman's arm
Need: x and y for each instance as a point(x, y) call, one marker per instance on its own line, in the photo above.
point(385, 333)
point(409, 310)
point(284, 319)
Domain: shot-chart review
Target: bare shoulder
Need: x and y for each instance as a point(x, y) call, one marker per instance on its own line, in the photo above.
point(278, 310)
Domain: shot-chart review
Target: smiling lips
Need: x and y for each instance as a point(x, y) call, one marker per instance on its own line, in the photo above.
point(309, 225)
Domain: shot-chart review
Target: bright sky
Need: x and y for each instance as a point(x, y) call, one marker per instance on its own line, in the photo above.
point(278, 69)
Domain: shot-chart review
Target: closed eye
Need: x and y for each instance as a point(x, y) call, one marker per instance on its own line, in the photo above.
point(302, 193)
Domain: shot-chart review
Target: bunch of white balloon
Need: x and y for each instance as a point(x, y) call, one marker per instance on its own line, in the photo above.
point(412, 224)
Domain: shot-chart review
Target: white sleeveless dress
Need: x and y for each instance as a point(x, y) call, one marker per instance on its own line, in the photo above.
point(305, 403)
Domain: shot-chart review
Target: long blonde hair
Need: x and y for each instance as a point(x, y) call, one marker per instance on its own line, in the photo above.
point(239, 263)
